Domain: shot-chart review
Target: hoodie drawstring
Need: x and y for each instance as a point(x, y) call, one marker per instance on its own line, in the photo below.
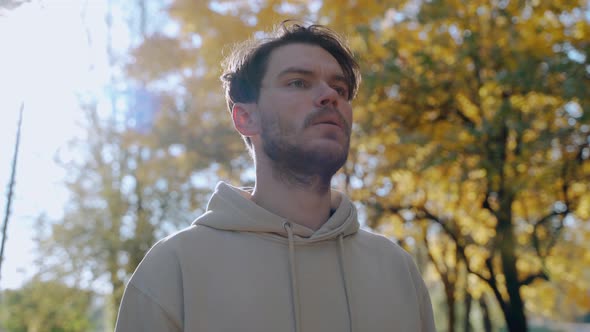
point(294, 289)
point(343, 274)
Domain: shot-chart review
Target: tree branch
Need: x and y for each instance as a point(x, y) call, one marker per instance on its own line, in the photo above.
point(439, 268)
point(529, 280)
point(548, 217)
point(426, 214)
point(11, 183)
point(541, 222)
point(493, 285)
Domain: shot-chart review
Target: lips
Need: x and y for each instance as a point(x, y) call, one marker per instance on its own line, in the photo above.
point(331, 122)
point(328, 116)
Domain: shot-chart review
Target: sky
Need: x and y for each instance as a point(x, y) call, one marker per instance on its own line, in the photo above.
point(53, 52)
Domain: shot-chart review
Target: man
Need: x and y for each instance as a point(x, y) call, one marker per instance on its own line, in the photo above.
point(288, 254)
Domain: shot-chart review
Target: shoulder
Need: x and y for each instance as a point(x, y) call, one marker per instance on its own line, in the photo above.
point(387, 252)
point(153, 297)
point(167, 252)
point(380, 244)
point(166, 255)
point(391, 254)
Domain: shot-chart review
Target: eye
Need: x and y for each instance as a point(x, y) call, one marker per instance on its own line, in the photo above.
point(298, 83)
point(342, 91)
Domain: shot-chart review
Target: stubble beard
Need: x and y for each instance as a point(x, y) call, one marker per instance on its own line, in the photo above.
point(300, 166)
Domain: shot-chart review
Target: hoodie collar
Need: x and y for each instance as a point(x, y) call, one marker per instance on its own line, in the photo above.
point(231, 209)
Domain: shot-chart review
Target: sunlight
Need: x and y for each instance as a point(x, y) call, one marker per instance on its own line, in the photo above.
point(47, 63)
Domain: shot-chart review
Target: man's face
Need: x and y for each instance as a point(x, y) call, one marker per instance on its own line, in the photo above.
point(304, 110)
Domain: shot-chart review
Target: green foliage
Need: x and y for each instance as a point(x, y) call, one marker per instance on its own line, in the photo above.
point(46, 306)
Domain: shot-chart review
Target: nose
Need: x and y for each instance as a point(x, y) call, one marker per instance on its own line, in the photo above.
point(326, 96)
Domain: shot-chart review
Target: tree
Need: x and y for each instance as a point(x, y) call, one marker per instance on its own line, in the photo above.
point(11, 186)
point(139, 175)
point(127, 191)
point(474, 118)
point(46, 306)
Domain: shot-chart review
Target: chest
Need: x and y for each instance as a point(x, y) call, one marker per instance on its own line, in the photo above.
point(252, 290)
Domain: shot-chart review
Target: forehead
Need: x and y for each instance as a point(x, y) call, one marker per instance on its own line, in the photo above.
point(304, 56)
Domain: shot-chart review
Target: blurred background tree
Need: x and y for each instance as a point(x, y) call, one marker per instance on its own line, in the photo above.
point(470, 148)
point(485, 147)
point(33, 308)
point(473, 132)
point(145, 169)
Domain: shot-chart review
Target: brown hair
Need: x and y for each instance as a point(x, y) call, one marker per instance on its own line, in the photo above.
point(246, 65)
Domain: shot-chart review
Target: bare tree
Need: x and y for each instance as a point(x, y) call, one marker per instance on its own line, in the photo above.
point(11, 184)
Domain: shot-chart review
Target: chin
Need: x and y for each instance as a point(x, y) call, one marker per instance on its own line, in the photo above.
point(330, 142)
point(332, 157)
point(329, 152)
point(320, 156)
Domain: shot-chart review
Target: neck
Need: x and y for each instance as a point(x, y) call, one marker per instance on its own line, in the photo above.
point(304, 200)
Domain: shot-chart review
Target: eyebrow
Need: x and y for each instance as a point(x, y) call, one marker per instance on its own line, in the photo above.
point(307, 72)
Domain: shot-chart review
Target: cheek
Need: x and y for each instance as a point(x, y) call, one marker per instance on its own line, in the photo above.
point(289, 125)
point(291, 116)
point(347, 114)
point(278, 123)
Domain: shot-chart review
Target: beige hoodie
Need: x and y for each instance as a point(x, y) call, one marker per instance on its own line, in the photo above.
point(242, 268)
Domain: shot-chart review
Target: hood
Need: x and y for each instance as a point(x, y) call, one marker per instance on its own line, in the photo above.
point(231, 209)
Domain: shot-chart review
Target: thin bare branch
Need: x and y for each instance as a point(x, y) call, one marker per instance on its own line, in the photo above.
point(11, 184)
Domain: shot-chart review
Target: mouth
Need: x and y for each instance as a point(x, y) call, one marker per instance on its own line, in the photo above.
point(330, 117)
point(330, 122)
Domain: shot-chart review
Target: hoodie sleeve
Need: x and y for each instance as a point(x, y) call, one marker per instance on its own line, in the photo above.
point(139, 312)
point(153, 298)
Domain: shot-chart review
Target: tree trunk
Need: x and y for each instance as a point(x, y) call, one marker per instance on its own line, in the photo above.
point(450, 294)
point(467, 305)
point(513, 306)
point(485, 313)
point(514, 309)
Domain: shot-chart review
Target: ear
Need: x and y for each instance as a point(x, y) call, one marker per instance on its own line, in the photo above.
point(245, 119)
